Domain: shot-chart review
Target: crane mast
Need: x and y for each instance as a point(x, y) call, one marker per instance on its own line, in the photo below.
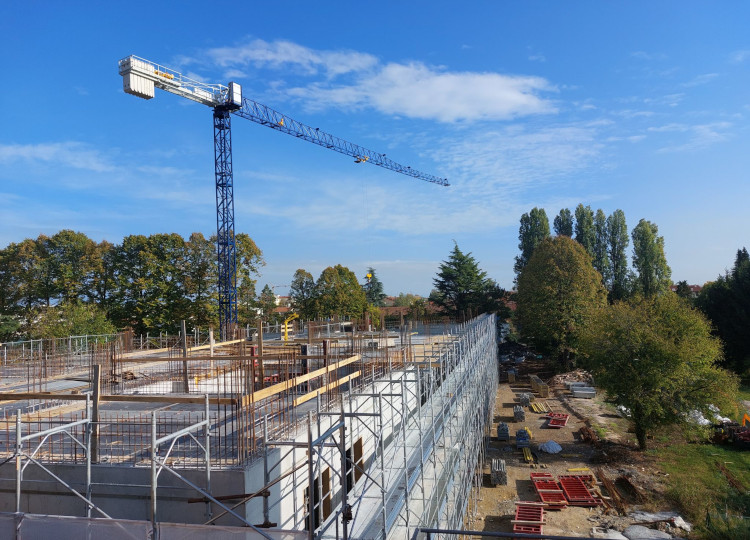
point(141, 77)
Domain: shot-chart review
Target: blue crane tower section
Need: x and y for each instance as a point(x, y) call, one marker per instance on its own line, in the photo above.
point(141, 77)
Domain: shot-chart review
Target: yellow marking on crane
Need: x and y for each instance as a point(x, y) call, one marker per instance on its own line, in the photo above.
point(281, 122)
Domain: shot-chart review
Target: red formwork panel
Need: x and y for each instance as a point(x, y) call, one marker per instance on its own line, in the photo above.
point(531, 518)
point(541, 475)
point(545, 484)
point(587, 479)
point(576, 491)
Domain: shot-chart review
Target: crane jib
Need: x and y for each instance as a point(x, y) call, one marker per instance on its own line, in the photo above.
point(140, 77)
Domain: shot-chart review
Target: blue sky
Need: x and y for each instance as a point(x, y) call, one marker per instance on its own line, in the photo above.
point(641, 106)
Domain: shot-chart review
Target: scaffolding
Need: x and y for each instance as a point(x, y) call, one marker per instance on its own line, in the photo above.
point(343, 432)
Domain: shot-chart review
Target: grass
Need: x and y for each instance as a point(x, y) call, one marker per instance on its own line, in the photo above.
point(698, 488)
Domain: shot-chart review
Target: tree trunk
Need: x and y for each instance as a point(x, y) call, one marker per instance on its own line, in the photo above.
point(640, 434)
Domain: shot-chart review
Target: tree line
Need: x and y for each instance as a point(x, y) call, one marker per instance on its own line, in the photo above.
point(147, 283)
point(605, 239)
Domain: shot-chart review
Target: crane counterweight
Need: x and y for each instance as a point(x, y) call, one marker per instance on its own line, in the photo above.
point(140, 77)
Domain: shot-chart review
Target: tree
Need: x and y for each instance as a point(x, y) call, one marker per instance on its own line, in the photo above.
point(267, 304)
point(649, 260)
point(564, 223)
point(617, 236)
point(405, 300)
point(601, 243)
point(71, 319)
point(656, 357)
point(534, 228)
point(461, 288)
point(558, 292)
point(683, 290)
point(201, 281)
point(374, 289)
point(585, 233)
point(337, 292)
point(302, 294)
point(726, 302)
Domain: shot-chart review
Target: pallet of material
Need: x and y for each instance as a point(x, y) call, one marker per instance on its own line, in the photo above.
point(557, 420)
point(511, 376)
point(498, 474)
point(523, 438)
point(518, 414)
point(503, 432)
point(583, 392)
point(529, 518)
point(525, 399)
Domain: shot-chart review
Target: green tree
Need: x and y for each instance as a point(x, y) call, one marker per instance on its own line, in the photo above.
point(585, 233)
point(726, 302)
point(649, 260)
point(563, 223)
point(338, 292)
point(558, 293)
point(9, 326)
point(534, 228)
point(267, 305)
point(71, 319)
point(656, 357)
point(405, 300)
point(73, 260)
point(302, 293)
point(374, 289)
point(683, 290)
point(618, 240)
point(601, 243)
point(201, 281)
point(462, 288)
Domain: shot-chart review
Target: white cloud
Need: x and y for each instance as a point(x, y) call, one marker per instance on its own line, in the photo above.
point(418, 91)
point(695, 136)
point(285, 54)
point(701, 79)
point(414, 89)
point(70, 153)
point(737, 57)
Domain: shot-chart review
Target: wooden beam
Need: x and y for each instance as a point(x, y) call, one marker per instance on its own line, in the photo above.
point(291, 383)
point(330, 386)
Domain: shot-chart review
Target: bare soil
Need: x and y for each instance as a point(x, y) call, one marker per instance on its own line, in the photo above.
point(640, 482)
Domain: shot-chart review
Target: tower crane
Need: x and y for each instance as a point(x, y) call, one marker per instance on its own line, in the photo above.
point(140, 77)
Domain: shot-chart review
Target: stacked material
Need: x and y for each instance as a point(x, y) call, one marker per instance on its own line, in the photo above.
point(538, 386)
point(529, 518)
point(525, 399)
point(503, 432)
point(587, 392)
point(511, 376)
point(518, 414)
point(523, 438)
point(498, 474)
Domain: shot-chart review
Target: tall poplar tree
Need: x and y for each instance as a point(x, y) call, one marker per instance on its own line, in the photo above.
point(653, 272)
point(564, 223)
point(617, 236)
point(601, 257)
point(534, 228)
point(585, 233)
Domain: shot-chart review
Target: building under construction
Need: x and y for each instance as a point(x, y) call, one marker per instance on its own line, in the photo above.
point(335, 432)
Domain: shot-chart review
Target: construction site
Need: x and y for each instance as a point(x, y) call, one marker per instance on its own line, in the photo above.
point(337, 432)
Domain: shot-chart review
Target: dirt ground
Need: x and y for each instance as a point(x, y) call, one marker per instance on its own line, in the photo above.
point(613, 456)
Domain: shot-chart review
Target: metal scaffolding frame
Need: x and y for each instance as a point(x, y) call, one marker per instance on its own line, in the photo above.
point(403, 443)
